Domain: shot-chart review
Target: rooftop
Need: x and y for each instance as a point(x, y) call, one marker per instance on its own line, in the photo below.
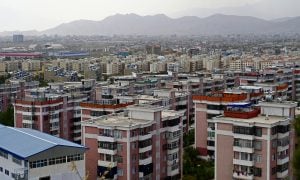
point(116, 120)
point(25, 142)
point(258, 119)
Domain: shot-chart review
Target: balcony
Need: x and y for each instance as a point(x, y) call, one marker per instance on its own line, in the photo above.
point(254, 95)
point(106, 138)
point(243, 149)
point(107, 151)
point(243, 175)
point(224, 97)
point(283, 174)
point(248, 163)
point(283, 135)
point(145, 161)
point(104, 106)
point(282, 87)
point(283, 147)
point(145, 136)
point(145, 149)
point(54, 128)
point(54, 120)
point(107, 163)
point(173, 170)
point(282, 159)
point(242, 115)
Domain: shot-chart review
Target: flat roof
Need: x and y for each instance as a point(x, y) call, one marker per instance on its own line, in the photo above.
point(116, 120)
point(250, 87)
point(259, 119)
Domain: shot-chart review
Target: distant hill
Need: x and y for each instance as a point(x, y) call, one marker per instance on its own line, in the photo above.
point(132, 24)
point(26, 33)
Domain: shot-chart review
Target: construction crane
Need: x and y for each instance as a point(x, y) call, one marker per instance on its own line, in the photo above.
point(73, 168)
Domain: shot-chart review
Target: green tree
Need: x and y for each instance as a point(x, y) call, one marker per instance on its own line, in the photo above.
point(4, 78)
point(7, 117)
point(296, 158)
point(189, 138)
point(196, 168)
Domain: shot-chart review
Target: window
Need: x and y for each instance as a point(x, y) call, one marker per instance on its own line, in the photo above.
point(211, 143)
point(242, 143)
point(283, 167)
point(211, 134)
point(119, 147)
point(257, 145)
point(274, 170)
point(257, 172)
point(17, 161)
point(120, 172)
point(1, 169)
point(3, 154)
point(258, 131)
point(119, 159)
point(274, 143)
point(133, 170)
point(6, 172)
point(257, 158)
point(273, 157)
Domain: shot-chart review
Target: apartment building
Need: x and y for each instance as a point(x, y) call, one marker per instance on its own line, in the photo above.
point(29, 154)
point(209, 106)
point(53, 112)
point(275, 81)
point(14, 90)
point(103, 107)
point(255, 142)
point(145, 142)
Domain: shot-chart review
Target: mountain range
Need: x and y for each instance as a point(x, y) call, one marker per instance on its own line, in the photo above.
point(160, 24)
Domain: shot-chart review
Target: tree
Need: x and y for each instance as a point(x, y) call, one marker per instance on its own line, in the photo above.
point(189, 138)
point(7, 117)
point(4, 78)
point(296, 158)
point(196, 168)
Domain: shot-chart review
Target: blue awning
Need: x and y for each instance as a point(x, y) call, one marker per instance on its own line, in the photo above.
point(240, 105)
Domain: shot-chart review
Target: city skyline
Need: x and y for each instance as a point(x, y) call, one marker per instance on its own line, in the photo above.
point(35, 15)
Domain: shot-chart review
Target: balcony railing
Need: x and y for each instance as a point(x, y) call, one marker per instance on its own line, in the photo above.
point(103, 106)
point(282, 87)
point(242, 175)
point(225, 98)
point(242, 115)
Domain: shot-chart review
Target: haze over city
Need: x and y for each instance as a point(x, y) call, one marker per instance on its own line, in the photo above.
point(150, 89)
point(41, 15)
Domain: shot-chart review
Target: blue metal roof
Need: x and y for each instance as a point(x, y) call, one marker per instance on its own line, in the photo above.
point(24, 142)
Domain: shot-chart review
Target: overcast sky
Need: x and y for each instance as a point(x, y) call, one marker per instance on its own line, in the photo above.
point(43, 14)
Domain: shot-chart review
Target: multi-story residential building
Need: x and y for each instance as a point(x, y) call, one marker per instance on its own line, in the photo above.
point(209, 106)
point(56, 113)
point(55, 74)
point(14, 90)
point(29, 154)
point(115, 68)
point(101, 108)
point(145, 142)
point(31, 65)
point(253, 145)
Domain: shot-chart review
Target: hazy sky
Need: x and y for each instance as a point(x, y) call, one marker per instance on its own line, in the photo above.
point(43, 14)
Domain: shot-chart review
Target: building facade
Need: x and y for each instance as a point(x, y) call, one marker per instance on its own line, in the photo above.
point(143, 143)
